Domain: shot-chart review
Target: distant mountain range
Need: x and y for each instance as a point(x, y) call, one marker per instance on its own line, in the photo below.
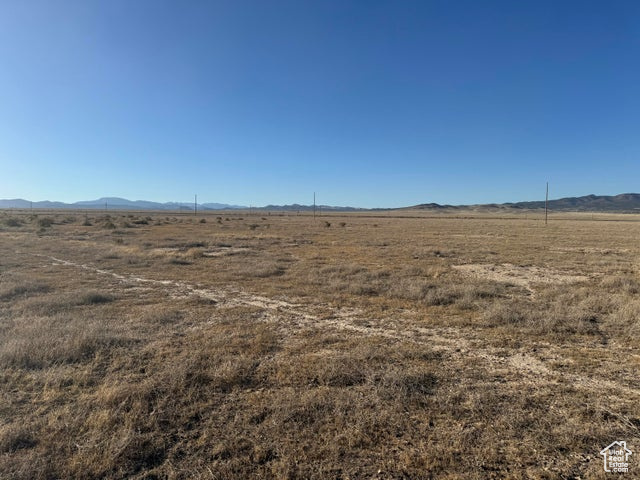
point(590, 203)
point(115, 203)
point(626, 202)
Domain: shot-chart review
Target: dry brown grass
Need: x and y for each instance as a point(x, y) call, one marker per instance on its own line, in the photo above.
point(275, 347)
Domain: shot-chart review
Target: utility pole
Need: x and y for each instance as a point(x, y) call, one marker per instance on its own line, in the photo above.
point(314, 205)
point(546, 201)
point(195, 205)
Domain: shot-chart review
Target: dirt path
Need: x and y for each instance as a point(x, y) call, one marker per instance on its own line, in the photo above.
point(289, 317)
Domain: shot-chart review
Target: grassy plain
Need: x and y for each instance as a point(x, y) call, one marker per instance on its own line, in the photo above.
point(158, 345)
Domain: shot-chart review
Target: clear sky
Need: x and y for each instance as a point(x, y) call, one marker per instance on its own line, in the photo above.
point(369, 103)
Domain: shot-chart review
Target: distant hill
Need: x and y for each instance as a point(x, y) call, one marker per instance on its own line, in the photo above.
point(436, 206)
point(308, 208)
point(20, 203)
point(625, 202)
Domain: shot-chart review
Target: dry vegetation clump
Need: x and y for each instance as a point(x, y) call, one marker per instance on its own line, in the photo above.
point(39, 342)
point(162, 316)
point(351, 278)
point(263, 268)
point(10, 290)
point(621, 284)
point(241, 262)
point(555, 319)
point(43, 331)
point(12, 222)
point(448, 292)
point(179, 261)
point(16, 437)
point(49, 302)
point(430, 288)
point(94, 298)
point(55, 302)
point(609, 310)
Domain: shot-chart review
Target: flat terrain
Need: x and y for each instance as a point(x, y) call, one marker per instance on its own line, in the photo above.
point(236, 346)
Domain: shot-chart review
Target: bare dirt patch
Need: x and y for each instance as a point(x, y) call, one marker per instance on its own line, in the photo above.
point(524, 276)
point(223, 251)
point(163, 250)
point(587, 250)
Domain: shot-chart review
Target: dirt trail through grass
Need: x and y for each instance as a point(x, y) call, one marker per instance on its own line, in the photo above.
point(290, 317)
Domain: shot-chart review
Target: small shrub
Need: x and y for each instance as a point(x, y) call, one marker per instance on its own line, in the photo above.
point(12, 222)
point(621, 284)
point(512, 313)
point(45, 222)
point(195, 245)
point(440, 296)
point(263, 269)
point(94, 298)
point(24, 290)
point(414, 386)
point(203, 220)
point(414, 289)
point(179, 261)
point(14, 438)
point(327, 224)
point(163, 316)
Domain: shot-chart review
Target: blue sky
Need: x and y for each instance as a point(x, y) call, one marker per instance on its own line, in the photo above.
point(369, 103)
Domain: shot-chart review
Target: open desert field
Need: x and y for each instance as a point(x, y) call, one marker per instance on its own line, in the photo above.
point(237, 345)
